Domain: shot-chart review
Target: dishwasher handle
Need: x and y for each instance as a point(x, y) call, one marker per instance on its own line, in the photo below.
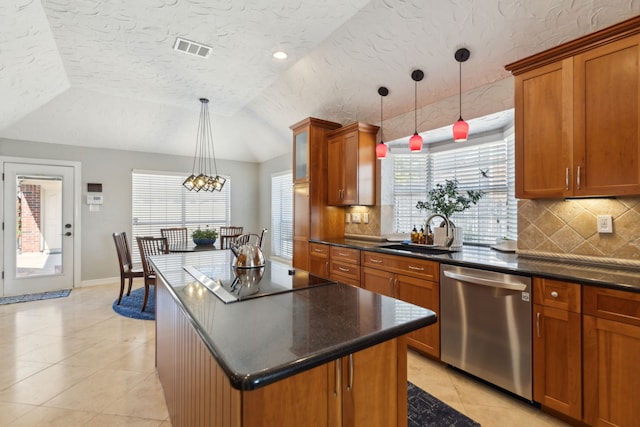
point(485, 282)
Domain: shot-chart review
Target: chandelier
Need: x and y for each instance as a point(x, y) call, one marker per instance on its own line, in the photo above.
point(207, 178)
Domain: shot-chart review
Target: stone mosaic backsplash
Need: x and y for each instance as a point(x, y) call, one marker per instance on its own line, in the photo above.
point(568, 229)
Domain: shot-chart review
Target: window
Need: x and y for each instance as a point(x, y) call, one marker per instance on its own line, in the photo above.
point(160, 201)
point(486, 164)
point(282, 215)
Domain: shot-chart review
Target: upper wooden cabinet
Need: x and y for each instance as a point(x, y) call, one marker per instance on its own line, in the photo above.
point(351, 170)
point(312, 218)
point(577, 117)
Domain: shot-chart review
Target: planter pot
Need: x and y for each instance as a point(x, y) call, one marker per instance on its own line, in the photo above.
point(440, 236)
point(204, 242)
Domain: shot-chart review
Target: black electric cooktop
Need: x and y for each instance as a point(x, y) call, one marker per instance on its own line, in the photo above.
point(232, 284)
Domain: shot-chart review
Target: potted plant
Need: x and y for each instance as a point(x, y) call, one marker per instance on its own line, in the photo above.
point(206, 236)
point(445, 199)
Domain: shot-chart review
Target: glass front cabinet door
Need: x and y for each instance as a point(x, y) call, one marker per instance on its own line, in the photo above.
point(301, 156)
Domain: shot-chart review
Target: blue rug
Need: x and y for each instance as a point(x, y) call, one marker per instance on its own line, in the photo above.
point(35, 297)
point(427, 411)
point(130, 305)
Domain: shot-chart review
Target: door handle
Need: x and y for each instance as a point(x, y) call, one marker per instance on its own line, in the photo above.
point(485, 282)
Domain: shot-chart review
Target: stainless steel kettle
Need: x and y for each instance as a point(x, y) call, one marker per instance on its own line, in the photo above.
point(247, 256)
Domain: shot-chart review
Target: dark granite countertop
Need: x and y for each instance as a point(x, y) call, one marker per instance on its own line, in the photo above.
point(266, 339)
point(621, 278)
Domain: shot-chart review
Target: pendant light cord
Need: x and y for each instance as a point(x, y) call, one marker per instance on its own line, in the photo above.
point(415, 108)
point(460, 90)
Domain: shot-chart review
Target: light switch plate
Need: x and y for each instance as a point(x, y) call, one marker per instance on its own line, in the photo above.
point(355, 218)
point(365, 217)
point(605, 224)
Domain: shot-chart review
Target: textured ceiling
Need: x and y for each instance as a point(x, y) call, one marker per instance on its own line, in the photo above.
point(104, 74)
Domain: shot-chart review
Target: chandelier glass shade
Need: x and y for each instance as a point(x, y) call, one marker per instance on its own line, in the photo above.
point(204, 173)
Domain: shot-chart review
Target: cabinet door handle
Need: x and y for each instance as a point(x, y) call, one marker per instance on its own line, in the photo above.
point(395, 287)
point(320, 251)
point(566, 178)
point(554, 294)
point(411, 267)
point(350, 384)
point(375, 260)
point(344, 269)
point(578, 177)
point(343, 254)
point(338, 371)
point(538, 324)
point(391, 285)
point(326, 268)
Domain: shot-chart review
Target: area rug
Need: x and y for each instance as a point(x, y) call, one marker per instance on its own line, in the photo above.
point(427, 411)
point(35, 297)
point(130, 305)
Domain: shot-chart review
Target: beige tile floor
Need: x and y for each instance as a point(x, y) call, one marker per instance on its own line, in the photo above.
point(74, 362)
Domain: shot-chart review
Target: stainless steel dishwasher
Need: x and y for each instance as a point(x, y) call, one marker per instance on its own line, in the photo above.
point(485, 326)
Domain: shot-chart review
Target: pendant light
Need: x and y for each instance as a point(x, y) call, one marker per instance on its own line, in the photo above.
point(415, 142)
point(207, 178)
point(381, 148)
point(461, 128)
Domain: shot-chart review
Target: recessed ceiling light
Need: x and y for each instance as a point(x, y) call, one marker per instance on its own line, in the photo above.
point(280, 55)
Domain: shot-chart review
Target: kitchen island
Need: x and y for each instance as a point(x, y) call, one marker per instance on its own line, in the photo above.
point(318, 353)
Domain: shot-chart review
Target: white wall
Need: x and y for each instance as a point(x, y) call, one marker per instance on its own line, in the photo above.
point(113, 169)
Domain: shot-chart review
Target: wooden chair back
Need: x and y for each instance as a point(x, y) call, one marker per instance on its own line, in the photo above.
point(227, 234)
point(127, 272)
point(150, 246)
point(177, 236)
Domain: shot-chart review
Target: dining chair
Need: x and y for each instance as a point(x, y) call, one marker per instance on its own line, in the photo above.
point(227, 234)
point(150, 246)
point(177, 236)
point(126, 266)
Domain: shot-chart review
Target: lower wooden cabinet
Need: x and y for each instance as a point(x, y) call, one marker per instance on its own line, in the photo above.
point(611, 347)
point(411, 280)
point(319, 254)
point(345, 265)
point(557, 352)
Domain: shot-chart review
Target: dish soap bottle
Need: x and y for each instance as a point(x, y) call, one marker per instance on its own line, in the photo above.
point(429, 239)
point(414, 235)
point(421, 236)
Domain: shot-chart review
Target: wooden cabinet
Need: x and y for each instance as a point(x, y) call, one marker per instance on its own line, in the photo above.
point(611, 321)
point(319, 254)
point(368, 388)
point(345, 265)
point(557, 337)
point(577, 117)
point(312, 217)
point(411, 280)
point(351, 178)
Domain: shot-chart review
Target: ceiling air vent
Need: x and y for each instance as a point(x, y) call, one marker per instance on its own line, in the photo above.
point(192, 48)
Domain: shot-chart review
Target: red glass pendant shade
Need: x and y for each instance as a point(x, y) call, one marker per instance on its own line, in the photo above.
point(381, 150)
point(460, 130)
point(415, 142)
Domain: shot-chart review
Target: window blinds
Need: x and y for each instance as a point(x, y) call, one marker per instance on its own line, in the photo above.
point(282, 215)
point(486, 166)
point(160, 201)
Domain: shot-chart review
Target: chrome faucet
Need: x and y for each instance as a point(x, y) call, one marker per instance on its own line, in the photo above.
point(449, 241)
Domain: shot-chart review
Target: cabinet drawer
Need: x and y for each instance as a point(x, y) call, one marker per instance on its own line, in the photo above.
point(345, 269)
point(611, 304)
point(424, 269)
point(557, 294)
point(319, 250)
point(348, 255)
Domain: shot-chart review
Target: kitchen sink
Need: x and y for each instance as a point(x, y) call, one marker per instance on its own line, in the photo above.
point(416, 248)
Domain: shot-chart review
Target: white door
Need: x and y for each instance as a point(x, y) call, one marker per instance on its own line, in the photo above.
point(38, 228)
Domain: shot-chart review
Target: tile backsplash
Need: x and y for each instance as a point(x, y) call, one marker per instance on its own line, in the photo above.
point(568, 229)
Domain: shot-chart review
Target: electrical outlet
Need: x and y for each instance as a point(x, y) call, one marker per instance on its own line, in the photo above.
point(365, 217)
point(355, 218)
point(347, 218)
point(605, 224)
